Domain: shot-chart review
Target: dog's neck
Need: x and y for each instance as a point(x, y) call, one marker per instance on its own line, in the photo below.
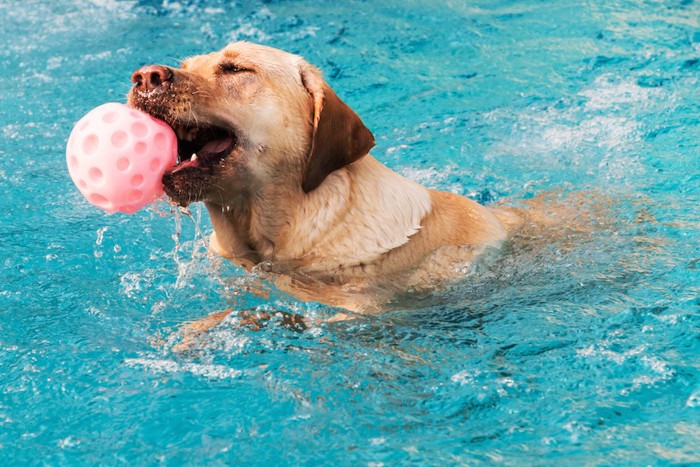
point(356, 215)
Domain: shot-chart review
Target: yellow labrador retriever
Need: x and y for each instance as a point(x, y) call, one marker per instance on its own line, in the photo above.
point(283, 167)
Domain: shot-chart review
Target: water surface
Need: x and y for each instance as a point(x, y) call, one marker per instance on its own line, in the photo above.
point(584, 352)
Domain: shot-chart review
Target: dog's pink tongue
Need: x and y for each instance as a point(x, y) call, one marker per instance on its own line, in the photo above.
point(215, 147)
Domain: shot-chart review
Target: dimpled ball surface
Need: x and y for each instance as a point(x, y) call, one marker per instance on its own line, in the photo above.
point(117, 155)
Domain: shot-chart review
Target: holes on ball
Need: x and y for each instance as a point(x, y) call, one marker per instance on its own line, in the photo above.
point(82, 184)
point(135, 114)
point(99, 200)
point(141, 147)
point(133, 196)
point(119, 139)
point(139, 129)
point(155, 165)
point(96, 175)
point(110, 117)
point(91, 144)
point(123, 163)
point(73, 162)
point(136, 180)
point(161, 141)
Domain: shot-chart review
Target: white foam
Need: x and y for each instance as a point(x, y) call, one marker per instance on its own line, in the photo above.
point(305, 33)
point(598, 133)
point(68, 442)
point(607, 93)
point(163, 366)
point(616, 357)
point(694, 399)
point(247, 31)
point(429, 177)
point(130, 282)
point(463, 377)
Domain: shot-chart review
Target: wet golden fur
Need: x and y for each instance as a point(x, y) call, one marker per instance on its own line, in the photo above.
point(300, 192)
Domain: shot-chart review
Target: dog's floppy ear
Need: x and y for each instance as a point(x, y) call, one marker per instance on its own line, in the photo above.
point(339, 137)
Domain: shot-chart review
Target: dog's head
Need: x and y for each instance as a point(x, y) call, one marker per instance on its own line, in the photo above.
point(245, 117)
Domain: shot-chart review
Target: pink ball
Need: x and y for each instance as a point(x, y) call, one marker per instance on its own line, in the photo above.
point(117, 156)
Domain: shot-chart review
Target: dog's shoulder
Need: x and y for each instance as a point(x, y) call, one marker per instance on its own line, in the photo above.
point(456, 221)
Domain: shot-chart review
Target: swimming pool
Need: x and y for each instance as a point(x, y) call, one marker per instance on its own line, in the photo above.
point(579, 353)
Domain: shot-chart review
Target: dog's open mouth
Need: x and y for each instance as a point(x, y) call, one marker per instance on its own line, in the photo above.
point(202, 147)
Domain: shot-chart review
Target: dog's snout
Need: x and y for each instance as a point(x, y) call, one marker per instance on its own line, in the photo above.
point(152, 78)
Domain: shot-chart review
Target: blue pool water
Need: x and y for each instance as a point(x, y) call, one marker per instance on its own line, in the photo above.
point(583, 351)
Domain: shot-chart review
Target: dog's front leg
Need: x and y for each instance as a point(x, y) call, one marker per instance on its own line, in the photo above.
point(190, 331)
point(251, 319)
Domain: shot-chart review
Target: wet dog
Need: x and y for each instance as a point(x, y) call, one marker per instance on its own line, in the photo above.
point(282, 165)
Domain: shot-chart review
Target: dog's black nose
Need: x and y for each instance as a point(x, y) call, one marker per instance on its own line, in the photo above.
point(152, 78)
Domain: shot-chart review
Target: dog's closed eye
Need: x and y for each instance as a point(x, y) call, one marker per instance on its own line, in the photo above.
point(230, 68)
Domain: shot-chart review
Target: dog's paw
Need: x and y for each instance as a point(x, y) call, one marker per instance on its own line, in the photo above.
point(256, 320)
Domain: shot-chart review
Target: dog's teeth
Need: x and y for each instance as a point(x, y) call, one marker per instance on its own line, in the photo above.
point(193, 158)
